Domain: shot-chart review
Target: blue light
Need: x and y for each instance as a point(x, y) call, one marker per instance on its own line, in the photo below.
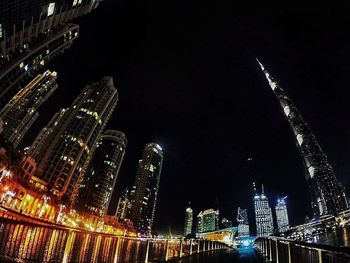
point(246, 243)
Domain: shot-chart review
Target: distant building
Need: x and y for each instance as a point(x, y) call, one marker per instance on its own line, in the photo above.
point(208, 220)
point(282, 215)
point(328, 196)
point(98, 183)
point(64, 148)
point(21, 111)
point(188, 221)
point(263, 215)
point(144, 193)
point(123, 205)
point(225, 223)
point(243, 223)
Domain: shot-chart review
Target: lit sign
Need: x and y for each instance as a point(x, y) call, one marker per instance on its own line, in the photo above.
point(51, 9)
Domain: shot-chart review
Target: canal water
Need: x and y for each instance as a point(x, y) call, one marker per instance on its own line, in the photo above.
point(337, 238)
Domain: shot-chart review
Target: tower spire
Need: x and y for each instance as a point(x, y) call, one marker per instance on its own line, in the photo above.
point(327, 194)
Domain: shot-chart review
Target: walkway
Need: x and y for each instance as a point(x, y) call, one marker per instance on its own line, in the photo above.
point(223, 256)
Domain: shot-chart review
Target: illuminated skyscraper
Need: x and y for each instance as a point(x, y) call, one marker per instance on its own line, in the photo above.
point(327, 194)
point(188, 221)
point(143, 195)
point(98, 182)
point(22, 110)
point(208, 220)
point(263, 215)
point(63, 149)
point(123, 205)
point(243, 223)
point(32, 32)
point(282, 215)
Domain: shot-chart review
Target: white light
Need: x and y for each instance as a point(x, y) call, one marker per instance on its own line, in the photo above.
point(312, 171)
point(300, 139)
point(286, 110)
point(51, 9)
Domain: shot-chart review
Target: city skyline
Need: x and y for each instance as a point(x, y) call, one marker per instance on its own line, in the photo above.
point(159, 133)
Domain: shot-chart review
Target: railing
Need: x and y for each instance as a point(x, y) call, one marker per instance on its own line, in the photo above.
point(28, 242)
point(281, 250)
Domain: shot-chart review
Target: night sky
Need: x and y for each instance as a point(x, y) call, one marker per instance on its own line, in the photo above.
point(188, 80)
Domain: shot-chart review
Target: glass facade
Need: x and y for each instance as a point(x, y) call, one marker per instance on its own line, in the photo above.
point(13, 75)
point(243, 222)
point(207, 221)
point(263, 215)
point(20, 113)
point(282, 215)
point(63, 149)
point(97, 186)
point(327, 194)
point(143, 195)
point(188, 221)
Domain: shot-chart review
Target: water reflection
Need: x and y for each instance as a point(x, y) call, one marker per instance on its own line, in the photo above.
point(338, 237)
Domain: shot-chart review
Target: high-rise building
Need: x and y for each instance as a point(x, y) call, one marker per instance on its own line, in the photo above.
point(188, 221)
point(32, 32)
point(263, 215)
point(123, 205)
point(98, 182)
point(22, 110)
point(143, 195)
point(208, 220)
point(282, 215)
point(24, 21)
point(17, 71)
point(327, 194)
point(63, 149)
point(243, 223)
point(226, 223)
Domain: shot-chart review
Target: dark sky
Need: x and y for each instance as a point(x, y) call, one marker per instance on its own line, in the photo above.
point(187, 79)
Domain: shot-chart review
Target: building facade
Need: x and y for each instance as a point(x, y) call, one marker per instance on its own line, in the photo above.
point(263, 215)
point(123, 205)
point(32, 32)
point(63, 149)
point(14, 74)
point(282, 215)
point(327, 194)
point(22, 110)
point(143, 195)
point(99, 180)
point(24, 21)
point(208, 220)
point(243, 222)
point(188, 221)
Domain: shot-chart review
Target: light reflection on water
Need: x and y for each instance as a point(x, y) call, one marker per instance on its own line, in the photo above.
point(339, 237)
point(27, 243)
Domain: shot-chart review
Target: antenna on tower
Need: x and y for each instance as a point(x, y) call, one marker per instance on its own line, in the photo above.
point(262, 189)
point(254, 187)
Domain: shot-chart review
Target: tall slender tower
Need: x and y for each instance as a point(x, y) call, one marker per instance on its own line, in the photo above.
point(63, 149)
point(143, 195)
point(22, 110)
point(263, 214)
point(97, 184)
point(282, 215)
point(188, 221)
point(327, 194)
